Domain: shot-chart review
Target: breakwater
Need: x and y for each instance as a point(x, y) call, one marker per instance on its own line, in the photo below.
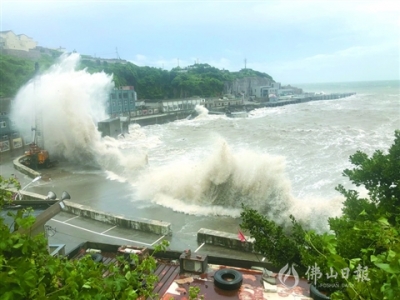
point(161, 118)
point(308, 98)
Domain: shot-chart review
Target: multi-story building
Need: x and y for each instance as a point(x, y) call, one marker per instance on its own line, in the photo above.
point(167, 106)
point(266, 90)
point(289, 90)
point(121, 101)
point(246, 86)
point(10, 41)
point(9, 137)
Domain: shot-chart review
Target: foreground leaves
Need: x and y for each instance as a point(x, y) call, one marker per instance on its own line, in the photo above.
point(27, 271)
point(361, 254)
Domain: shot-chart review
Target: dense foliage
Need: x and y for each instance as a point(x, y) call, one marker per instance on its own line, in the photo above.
point(360, 257)
point(27, 271)
point(15, 71)
point(154, 83)
point(150, 83)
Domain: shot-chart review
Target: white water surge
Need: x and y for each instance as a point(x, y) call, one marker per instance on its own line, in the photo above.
point(69, 103)
point(219, 182)
point(280, 161)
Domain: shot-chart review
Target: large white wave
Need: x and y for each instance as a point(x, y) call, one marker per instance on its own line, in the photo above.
point(221, 181)
point(69, 104)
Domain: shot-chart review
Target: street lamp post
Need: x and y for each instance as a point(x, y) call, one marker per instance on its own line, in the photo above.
point(19, 195)
point(47, 214)
point(51, 212)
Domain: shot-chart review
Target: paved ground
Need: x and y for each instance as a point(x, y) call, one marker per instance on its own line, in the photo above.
point(72, 230)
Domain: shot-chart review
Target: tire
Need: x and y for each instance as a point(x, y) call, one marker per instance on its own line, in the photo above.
point(96, 257)
point(316, 294)
point(228, 279)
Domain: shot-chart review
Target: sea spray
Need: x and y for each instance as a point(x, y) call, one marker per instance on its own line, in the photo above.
point(219, 182)
point(201, 111)
point(69, 103)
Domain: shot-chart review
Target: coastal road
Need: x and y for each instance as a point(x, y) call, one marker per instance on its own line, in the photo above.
point(94, 190)
point(72, 230)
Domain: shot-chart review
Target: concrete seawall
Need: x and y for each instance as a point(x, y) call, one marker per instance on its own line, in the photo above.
point(224, 239)
point(160, 118)
point(296, 100)
point(207, 236)
point(146, 225)
point(24, 169)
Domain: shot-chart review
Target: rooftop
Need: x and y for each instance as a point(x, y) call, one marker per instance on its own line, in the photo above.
point(217, 278)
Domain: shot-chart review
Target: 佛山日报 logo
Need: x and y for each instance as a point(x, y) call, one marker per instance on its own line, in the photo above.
point(285, 273)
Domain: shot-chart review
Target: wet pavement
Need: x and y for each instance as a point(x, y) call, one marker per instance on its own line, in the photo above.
point(91, 188)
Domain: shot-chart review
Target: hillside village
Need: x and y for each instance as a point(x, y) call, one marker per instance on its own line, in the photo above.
point(124, 99)
point(249, 87)
point(178, 274)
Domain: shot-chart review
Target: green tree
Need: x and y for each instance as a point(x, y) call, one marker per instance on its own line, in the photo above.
point(364, 240)
point(16, 71)
point(150, 83)
point(27, 271)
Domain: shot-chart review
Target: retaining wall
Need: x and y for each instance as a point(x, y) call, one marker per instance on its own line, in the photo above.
point(153, 226)
point(161, 118)
point(224, 239)
point(32, 199)
point(24, 169)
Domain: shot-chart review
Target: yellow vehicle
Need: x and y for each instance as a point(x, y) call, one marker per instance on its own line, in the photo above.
point(36, 157)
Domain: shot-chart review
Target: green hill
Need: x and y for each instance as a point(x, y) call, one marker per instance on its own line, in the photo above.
point(16, 71)
point(150, 83)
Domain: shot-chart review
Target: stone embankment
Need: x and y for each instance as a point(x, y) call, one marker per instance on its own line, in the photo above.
point(24, 169)
point(206, 236)
point(146, 225)
point(160, 118)
point(247, 106)
point(307, 98)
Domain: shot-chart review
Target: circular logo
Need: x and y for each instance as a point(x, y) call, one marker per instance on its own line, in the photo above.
point(283, 276)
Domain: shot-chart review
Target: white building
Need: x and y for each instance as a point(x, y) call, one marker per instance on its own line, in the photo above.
point(10, 41)
point(179, 105)
point(264, 91)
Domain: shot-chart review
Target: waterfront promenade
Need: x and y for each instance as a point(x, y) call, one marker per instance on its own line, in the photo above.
point(72, 229)
point(161, 118)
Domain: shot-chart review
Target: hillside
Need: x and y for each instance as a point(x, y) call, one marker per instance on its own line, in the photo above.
point(15, 72)
point(150, 83)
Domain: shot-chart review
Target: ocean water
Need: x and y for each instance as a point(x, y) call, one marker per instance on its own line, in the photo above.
point(280, 161)
point(283, 160)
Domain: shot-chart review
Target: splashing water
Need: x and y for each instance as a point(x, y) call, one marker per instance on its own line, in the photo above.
point(70, 103)
point(221, 182)
point(201, 111)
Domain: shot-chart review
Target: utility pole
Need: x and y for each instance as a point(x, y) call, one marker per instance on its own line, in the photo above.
point(38, 138)
point(245, 62)
point(116, 50)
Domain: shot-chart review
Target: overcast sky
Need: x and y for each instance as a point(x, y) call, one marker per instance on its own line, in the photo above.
point(293, 41)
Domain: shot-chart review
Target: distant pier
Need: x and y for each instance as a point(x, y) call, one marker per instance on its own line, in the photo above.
point(220, 107)
point(161, 118)
point(307, 98)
